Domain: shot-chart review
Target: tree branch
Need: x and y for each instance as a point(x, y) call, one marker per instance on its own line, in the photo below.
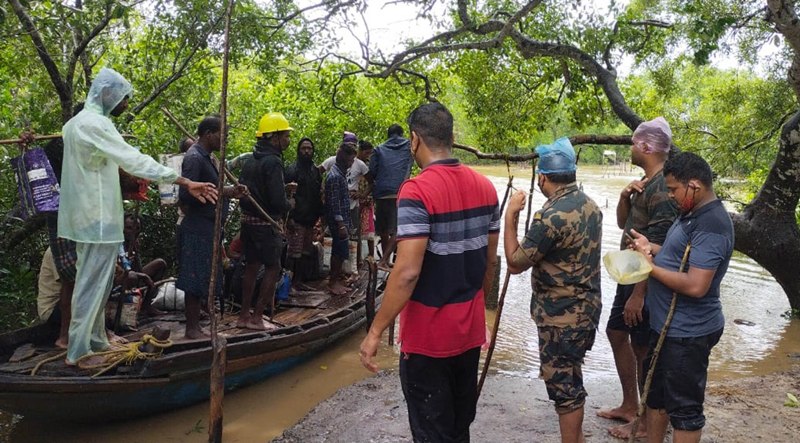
point(176, 74)
point(582, 139)
point(63, 90)
point(769, 134)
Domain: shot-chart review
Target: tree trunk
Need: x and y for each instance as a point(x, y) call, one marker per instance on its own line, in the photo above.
point(773, 241)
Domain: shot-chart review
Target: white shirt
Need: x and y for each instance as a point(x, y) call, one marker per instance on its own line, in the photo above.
point(355, 173)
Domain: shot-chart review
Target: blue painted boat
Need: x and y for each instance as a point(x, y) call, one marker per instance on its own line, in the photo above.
point(180, 376)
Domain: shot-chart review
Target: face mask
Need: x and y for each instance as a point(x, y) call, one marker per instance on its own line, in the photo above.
point(688, 203)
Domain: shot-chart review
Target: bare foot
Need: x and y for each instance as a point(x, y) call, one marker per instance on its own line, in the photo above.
point(196, 334)
point(624, 431)
point(351, 280)
point(258, 325)
point(62, 342)
point(241, 322)
point(92, 362)
point(114, 338)
point(336, 288)
point(625, 415)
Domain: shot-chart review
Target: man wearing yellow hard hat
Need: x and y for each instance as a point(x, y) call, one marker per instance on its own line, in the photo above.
point(262, 243)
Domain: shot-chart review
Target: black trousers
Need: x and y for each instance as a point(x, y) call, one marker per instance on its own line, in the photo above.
point(441, 394)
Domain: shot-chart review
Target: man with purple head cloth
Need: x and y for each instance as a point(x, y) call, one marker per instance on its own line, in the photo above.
point(644, 205)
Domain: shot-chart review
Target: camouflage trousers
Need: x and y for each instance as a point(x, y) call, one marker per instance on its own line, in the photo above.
point(561, 352)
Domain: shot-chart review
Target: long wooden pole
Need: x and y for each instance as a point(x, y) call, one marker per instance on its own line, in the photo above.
point(656, 352)
point(228, 173)
point(530, 195)
point(14, 141)
point(218, 342)
point(489, 353)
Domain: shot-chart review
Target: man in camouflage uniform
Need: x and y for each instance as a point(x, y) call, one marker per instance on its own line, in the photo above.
point(563, 249)
point(645, 206)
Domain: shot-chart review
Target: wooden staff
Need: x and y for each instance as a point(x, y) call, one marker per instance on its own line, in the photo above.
point(218, 342)
point(530, 195)
point(652, 369)
point(489, 353)
point(227, 173)
point(500, 301)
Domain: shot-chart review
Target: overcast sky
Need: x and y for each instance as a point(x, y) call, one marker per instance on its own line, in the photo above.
point(393, 23)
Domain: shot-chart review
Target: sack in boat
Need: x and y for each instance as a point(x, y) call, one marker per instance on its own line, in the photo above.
point(627, 267)
point(37, 185)
point(132, 302)
point(169, 298)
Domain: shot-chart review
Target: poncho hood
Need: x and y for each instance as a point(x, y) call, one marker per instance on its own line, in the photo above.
point(108, 89)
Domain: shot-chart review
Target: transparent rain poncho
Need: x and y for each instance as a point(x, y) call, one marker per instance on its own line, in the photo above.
point(91, 201)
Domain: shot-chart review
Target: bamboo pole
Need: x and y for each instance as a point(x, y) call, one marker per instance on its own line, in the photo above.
point(227, 173)
point(14, 141)
point(218, 342)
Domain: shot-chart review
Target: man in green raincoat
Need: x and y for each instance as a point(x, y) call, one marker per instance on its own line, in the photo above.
point(90, 211)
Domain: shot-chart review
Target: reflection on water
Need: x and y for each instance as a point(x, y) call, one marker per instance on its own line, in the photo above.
point(748, 293)
point(263, 411)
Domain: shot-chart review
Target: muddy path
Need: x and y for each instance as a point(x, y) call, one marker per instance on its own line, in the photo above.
point(515, 409)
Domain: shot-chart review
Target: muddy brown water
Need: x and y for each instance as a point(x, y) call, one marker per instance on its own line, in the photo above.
point(262, 411)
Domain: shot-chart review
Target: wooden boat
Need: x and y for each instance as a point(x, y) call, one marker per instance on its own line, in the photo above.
point(306, 324)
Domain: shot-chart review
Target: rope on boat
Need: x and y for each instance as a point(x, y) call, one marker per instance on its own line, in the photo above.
point(47, 360)
point(127, 354)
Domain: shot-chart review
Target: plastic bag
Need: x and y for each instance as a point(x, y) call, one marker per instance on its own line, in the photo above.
point(36, 182)
point(169, 298)
point(133, 188)
point(284, 286)
point(627, 267)
point(169, 191)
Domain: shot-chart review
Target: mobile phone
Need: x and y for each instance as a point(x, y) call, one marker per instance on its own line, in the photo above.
point(628, 237)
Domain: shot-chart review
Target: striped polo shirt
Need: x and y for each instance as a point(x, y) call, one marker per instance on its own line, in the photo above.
point(456, 209)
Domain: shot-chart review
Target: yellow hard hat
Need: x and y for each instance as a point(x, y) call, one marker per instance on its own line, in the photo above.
point(272, 122)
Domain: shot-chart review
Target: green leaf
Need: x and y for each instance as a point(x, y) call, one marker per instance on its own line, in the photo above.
point(791, 401)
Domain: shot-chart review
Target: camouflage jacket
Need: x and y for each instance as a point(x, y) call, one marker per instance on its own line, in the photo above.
point(563, 249)
point(652, 211)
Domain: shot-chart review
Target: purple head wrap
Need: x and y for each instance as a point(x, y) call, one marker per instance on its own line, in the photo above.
point(654, 135)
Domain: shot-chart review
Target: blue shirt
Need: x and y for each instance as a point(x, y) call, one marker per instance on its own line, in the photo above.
point(337, 197)
point(710, 231)
point(199, 166)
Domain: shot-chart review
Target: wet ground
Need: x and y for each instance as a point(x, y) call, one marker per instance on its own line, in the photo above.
point(263, 411)
point(514, 409)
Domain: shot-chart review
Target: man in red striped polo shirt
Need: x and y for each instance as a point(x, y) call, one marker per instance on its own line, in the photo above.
point(448, 223)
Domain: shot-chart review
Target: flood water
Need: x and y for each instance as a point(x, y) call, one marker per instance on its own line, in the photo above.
point(261, 412)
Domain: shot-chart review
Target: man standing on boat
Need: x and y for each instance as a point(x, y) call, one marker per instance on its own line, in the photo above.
point(307, 209)
point(644, 205)
point(562, 247)
point(704, 231)
point(439, 280)
point(90, 211)
point(337, 216)
point(196, 232)
point(389, 166)
point(263, 243)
